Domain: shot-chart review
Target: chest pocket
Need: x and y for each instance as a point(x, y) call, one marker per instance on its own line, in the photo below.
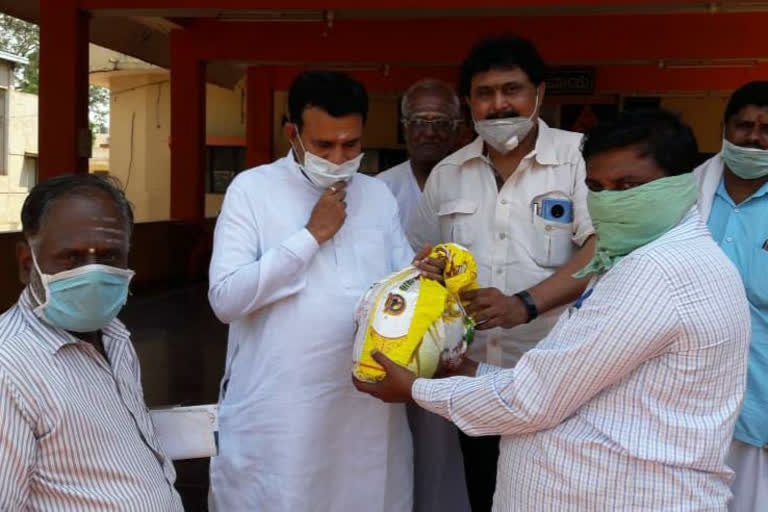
point(552, 241)
point(363, 256)
point(757, 287)
point(455, 218)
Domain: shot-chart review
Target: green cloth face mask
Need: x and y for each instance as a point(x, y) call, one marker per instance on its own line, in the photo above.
point(627, 219)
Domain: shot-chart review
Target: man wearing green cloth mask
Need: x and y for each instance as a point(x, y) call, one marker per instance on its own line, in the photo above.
point(630, 402)
point(733, 200)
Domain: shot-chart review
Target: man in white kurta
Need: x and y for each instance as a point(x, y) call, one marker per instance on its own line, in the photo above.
point(294, 435)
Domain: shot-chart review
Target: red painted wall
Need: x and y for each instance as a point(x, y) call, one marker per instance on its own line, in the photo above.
point(436, 42)
point(356, 4)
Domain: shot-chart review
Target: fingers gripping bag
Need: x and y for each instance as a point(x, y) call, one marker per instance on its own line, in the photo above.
point(416, 322)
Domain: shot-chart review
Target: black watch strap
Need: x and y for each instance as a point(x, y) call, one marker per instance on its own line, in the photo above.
point(530, 305)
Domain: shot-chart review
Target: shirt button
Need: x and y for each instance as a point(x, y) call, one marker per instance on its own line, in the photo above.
point(503, 201)
point(729, 239)
point(502, 236)
point(499, 270)
point(736, 210)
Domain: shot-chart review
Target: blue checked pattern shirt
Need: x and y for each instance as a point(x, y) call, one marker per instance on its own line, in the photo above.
point(630, 402)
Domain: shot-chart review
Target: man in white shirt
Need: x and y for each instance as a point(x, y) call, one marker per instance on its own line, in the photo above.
point(515, 197)
point(630, 402)
point(297, 244)
point(430, 115)
point(75, 434)
point(733, 200)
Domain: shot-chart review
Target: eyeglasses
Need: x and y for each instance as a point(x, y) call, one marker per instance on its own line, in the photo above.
point(438, 125)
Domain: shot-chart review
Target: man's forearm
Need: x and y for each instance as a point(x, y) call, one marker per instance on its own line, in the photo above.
point(561, 287)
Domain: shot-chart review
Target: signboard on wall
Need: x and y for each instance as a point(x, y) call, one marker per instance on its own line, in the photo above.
point(570, 81)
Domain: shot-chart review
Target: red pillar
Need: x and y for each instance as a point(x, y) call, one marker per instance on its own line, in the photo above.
point(259, 118)
point(64, 138)
point(187, 131)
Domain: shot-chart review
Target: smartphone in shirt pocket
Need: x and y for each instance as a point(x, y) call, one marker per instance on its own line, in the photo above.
point(553, 224)
point(556, 210)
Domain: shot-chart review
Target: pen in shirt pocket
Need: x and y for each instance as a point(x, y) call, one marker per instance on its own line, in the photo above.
point(765, 245)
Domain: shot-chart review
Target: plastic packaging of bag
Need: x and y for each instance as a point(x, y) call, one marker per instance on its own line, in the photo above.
point(416, 322)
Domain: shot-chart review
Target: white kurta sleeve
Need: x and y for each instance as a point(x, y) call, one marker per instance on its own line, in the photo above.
point(608, 338)
point(244, 277)
point(17, 448)
point(424, 227)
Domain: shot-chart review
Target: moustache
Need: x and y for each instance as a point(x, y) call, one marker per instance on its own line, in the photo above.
point(503, 115)
point(752, 145)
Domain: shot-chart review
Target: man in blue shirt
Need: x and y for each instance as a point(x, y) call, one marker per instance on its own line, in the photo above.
point(733, 199)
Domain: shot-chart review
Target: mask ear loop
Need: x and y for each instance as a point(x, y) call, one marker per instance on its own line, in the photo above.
point(40, 304)
point(535, 107)
point(301, 143)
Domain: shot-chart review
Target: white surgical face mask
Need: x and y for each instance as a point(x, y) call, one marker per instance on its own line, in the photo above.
point(323, 173)
point(746, 163)
point(504, 135)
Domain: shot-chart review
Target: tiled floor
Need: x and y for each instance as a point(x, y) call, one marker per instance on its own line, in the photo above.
point(181, 346)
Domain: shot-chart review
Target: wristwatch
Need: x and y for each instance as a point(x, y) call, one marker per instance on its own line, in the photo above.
point(530, 305)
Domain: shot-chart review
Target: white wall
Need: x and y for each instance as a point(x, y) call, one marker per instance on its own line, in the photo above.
point(22, 139)
point(147, 97)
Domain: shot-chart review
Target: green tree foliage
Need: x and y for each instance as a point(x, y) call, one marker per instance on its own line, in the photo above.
point(98, 108)
point(29, 76)
point(23, 39)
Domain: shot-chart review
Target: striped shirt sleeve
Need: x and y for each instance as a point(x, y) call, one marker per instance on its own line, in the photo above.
point(603, 342)
point(17, 448)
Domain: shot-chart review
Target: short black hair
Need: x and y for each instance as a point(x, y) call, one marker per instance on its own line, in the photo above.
point(335, 92)
point(44, 194)
point(657, 133)
point(752, 93)
point(502, 53)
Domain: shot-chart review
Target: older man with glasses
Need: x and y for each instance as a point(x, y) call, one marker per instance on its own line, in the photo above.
point(431, 118)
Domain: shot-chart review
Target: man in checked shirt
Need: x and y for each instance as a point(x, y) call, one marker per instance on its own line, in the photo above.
point(630, 402)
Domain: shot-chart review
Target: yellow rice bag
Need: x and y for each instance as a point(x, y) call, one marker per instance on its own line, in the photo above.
point(416, 322)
